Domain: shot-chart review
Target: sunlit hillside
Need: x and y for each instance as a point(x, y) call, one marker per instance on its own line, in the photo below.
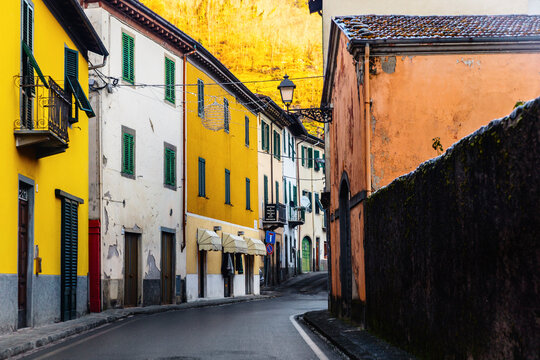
point(257, 40)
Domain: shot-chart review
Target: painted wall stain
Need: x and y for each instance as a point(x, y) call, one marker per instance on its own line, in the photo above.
point(104, 160)
point(468, 62)
point(106, 220)
point(113, 251)
point(388, 64)
point(153, 272)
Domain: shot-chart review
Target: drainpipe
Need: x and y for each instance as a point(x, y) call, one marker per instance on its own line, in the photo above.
point(98, 66)
point(367, 110)
point(184, 190)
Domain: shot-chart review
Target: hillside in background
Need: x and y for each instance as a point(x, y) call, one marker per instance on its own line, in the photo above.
point(257, 40)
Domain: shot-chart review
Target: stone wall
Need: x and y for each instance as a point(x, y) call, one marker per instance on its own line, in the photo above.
point(452, 249)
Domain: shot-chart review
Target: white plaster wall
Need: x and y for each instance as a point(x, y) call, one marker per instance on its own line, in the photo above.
point(423, 7)
point(239, 285)
point(256, 285)
point(142, 202)
point(215, 287)
point(192, 287)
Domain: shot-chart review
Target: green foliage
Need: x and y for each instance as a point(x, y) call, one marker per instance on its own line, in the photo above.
point(257, 40)
point(437, 145)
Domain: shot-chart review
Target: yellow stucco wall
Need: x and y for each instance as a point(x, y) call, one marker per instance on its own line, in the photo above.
point(221, 150)
point(67, 171)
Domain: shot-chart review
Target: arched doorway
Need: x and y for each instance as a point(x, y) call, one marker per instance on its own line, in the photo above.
point(345, 267)
point(306, 254)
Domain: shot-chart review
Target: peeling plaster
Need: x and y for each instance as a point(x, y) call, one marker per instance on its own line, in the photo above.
point(153, 272)
point(104, 160)
point(106, 214)
point(113, 251)
point(468, 62)
point(388, 64)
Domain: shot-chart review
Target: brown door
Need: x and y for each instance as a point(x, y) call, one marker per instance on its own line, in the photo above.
point(23, 261)
point(202, 272)
point(249, 274)
point(318, 249)
point(131, 273)
point(167, 274)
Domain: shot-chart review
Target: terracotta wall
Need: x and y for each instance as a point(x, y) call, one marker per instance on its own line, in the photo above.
point(418, 98)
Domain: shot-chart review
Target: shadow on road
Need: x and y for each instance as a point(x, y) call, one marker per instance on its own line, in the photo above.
point(309, 284)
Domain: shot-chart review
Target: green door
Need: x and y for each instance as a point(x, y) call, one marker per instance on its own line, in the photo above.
point(306, 254)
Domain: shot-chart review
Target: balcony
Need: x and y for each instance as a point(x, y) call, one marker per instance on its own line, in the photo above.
point(297, 216)
point(43, 127)
point(275, 216)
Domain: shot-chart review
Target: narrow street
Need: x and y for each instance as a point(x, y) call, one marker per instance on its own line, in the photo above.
point(251, 330)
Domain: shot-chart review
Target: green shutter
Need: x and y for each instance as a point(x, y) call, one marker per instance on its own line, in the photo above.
point(290, 193)
point(170, 167)
point(265, 189)
point(226, 114)
point(316, 157)
point(295, 196)
point(323, 164)
point(69, 250)
point(317, 204)
point(310, 207)
point(200, 98)
point(285, 191)
point(267, 135)
point(202, 177)
point(128, 44)
point(303, 155)
point(248, 194)
point(27, 70)
point(310, 157)
point(246, 130)
point(128, 155)
point(277, 192)
point(227, 186)
point(170, 93)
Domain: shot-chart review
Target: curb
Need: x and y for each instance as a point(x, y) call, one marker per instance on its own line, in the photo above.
point(94, 320)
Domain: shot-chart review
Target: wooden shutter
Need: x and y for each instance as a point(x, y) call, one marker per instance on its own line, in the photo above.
point(248, 194)
point(128, 44)
point(170, 167)
point(27, 70)
point(128, 163)
point(200, 97)
point(267, 137)
point(246, 130)
point(226, 114)
point(265, 189)
point(310, 157)
point(202, 177)
point(170, 93)
point(316, 156)
point(69, 250)
point(277, 192)
point(227, 186)
point(317, 203)
point(295, 196)
point(303, 155)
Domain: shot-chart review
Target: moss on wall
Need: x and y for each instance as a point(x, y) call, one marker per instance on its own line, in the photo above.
point(452, 249)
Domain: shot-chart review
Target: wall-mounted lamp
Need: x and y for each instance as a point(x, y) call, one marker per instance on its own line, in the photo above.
point(240, 233)
point(217, 228)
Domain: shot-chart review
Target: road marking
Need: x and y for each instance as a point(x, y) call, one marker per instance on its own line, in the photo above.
point(307, 339)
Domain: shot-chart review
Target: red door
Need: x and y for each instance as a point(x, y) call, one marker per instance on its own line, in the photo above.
point(94, 265)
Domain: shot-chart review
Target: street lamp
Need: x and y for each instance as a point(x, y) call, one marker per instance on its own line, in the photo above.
point(286, 88)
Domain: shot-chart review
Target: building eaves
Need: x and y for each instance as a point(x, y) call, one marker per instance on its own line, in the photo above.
point(274, 112)
point(72, 18)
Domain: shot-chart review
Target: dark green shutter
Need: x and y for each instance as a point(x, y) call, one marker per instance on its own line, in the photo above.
point(303, 155)
point(128, 161)
point(246, 130)
point(170, 94)
point(317, 203)
point(295, 196)
point(267, 137)
point(316, 157)
point(200, 97)
point(69, 250)
point(265, 189)
point(27, 70)
point(290, 193)
point(202, 177)
point(227, 186)
point(285, 191)
point(310, 157)
point(170, 167)
point(310, 207)
point(248, 194)
point(277, 192)
point(226, 114)
point(323, 164)
point(128, 44)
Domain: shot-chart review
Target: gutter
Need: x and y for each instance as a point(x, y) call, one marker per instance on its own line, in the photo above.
point(94, 67)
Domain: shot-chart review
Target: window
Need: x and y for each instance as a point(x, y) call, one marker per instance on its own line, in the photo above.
point(316, 157)
point(128, 152)
point(202, 177)
point(277, 192)
point(303, 156)
point(295, 196)
point(73, 87)
point(200, 98)
point(265, 133)
point(246, 130)
point(277, 146)
point(265, 189)
point(310, 157)
point(170, 93)
point(27, 70)
point(284, 142)
point(128, 44)
point(170, 166)
point(248, 195)
point(227, 187)
point(317, 203)
point(226, 115)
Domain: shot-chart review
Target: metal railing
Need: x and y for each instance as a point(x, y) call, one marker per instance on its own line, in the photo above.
point(297, 214)
point(44, 109)
point(275, 213)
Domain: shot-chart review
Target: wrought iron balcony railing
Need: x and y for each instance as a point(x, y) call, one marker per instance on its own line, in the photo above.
point(43, 126)
point(275, 215)
point(297, 216)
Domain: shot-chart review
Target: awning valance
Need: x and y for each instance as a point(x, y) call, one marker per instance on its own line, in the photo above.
point(234, 244)
point(208, 240)
point(255, 247)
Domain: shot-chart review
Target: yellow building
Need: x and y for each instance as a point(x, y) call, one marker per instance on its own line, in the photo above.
point(44, 142)
point(222, 237)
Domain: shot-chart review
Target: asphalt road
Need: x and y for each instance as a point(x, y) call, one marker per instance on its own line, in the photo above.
point(263, 329)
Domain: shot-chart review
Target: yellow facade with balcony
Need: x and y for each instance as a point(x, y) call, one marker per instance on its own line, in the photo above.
point(44, 142)
point(222, 182)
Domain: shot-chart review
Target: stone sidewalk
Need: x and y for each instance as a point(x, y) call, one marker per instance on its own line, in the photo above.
point(27, 339)
point(353, 341)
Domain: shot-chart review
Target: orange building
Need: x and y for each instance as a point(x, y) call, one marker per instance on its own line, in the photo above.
point(403, 89)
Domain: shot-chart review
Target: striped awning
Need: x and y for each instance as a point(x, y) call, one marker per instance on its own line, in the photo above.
point(208, 240)
point(255, 247)
point(234, 244)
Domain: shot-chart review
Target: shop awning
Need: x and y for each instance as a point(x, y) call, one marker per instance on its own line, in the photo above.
point(208, 240)
point(255, 247)
point(234, 244)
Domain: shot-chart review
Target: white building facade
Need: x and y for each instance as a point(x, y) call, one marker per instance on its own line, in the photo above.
point(136, 150)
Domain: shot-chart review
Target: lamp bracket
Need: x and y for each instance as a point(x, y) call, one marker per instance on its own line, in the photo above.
point(322, 114)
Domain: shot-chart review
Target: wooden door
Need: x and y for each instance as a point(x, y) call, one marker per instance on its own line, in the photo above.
point(306, 255)
point(23, 261)
point(317, 254)
point(202, 272)
point(249, 274)
point(131, 270)
point(167, 271)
